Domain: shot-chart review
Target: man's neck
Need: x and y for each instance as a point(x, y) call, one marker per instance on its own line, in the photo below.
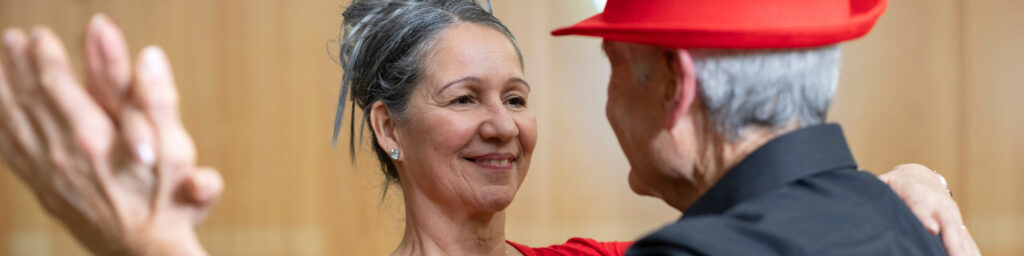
point(719, 157)
point(753, 138)
point(431, 229)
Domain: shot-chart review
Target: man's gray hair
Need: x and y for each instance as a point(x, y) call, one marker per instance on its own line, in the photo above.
point(771, 88)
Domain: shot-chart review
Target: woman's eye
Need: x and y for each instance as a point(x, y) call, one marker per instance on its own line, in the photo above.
point(464, 99)
point(517, 101)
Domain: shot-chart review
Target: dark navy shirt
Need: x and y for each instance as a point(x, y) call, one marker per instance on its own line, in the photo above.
point(799, 194)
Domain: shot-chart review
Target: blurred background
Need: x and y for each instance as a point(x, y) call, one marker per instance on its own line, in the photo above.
point(937, 82)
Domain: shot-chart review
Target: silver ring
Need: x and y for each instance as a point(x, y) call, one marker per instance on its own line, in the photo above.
point(944, 183)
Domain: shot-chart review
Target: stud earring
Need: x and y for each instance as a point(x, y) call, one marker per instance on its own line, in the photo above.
point(395, 154)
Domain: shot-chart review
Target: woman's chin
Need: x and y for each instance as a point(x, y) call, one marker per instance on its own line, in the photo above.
point(496, 199)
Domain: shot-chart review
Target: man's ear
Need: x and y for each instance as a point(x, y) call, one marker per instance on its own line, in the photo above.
point(685, 86)
point(383, 126)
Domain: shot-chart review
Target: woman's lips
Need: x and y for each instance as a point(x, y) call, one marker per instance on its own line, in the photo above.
point(494, 161)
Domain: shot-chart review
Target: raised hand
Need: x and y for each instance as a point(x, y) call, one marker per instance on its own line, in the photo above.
point(925, 192)
point(113, 163)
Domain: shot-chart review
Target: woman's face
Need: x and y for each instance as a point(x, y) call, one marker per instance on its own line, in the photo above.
point(467, 136)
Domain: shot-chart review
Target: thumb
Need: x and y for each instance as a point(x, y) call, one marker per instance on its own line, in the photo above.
point(201, 189)
point(204, 186)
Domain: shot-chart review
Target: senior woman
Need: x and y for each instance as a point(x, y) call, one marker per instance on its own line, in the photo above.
point(441, 88)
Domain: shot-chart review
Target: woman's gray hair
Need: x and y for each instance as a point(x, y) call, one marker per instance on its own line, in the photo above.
point(771, 88)
point(382, 54)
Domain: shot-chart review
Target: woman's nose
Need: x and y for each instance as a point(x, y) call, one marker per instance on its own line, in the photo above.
point(499, 126)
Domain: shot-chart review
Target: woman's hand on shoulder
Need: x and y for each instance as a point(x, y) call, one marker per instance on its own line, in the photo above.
point(110, 160)
point(927, 195)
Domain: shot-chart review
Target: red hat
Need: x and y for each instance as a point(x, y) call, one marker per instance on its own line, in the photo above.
point(731, 23)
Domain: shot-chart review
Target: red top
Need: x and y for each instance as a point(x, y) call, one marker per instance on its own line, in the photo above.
point(576, 246)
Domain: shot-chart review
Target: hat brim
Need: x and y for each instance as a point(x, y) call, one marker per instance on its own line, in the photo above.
point(754, 35)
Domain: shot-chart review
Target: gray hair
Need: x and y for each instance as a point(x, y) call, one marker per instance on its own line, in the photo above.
point(382, 56)
point(772, 88)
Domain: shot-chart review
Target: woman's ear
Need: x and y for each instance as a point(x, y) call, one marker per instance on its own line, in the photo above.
point(685, 86)
point(383, 126)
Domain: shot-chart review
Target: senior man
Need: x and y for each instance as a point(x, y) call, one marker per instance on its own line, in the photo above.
point(148, 201)
point(720, 108)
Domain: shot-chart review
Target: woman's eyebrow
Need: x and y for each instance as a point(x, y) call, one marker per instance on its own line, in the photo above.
point(464, 79)
point(518, 80)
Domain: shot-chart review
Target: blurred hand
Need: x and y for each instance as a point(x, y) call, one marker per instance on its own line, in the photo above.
point(924, 191)
point(111, 160)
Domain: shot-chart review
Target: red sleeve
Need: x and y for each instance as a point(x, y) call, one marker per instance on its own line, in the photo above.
point(576, 247)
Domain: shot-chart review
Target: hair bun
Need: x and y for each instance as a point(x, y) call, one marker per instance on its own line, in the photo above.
point(364, 11)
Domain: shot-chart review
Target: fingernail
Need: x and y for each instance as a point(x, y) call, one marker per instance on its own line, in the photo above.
point(934, 228)
point(153, 59)
point(97, 18)
point(144, 153)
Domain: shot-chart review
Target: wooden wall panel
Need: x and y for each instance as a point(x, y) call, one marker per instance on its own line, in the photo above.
point(897, 98)
point(935, 82)
point(993, 87)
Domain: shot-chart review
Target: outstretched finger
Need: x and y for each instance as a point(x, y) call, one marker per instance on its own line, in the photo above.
point(107, 63)
point(154, 90)
point(16, 134)
point(90, 127)
point(109, 80)
point(24, 79)
point(139, 135)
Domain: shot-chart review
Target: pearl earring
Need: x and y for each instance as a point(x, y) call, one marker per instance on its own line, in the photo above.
point(395, 154)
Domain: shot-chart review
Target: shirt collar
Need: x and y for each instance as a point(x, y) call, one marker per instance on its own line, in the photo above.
point(792, 156)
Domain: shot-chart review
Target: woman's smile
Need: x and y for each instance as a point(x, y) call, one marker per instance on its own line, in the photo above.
point(496, 161)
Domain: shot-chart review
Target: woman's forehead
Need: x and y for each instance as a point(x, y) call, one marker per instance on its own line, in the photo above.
point(467, 49)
